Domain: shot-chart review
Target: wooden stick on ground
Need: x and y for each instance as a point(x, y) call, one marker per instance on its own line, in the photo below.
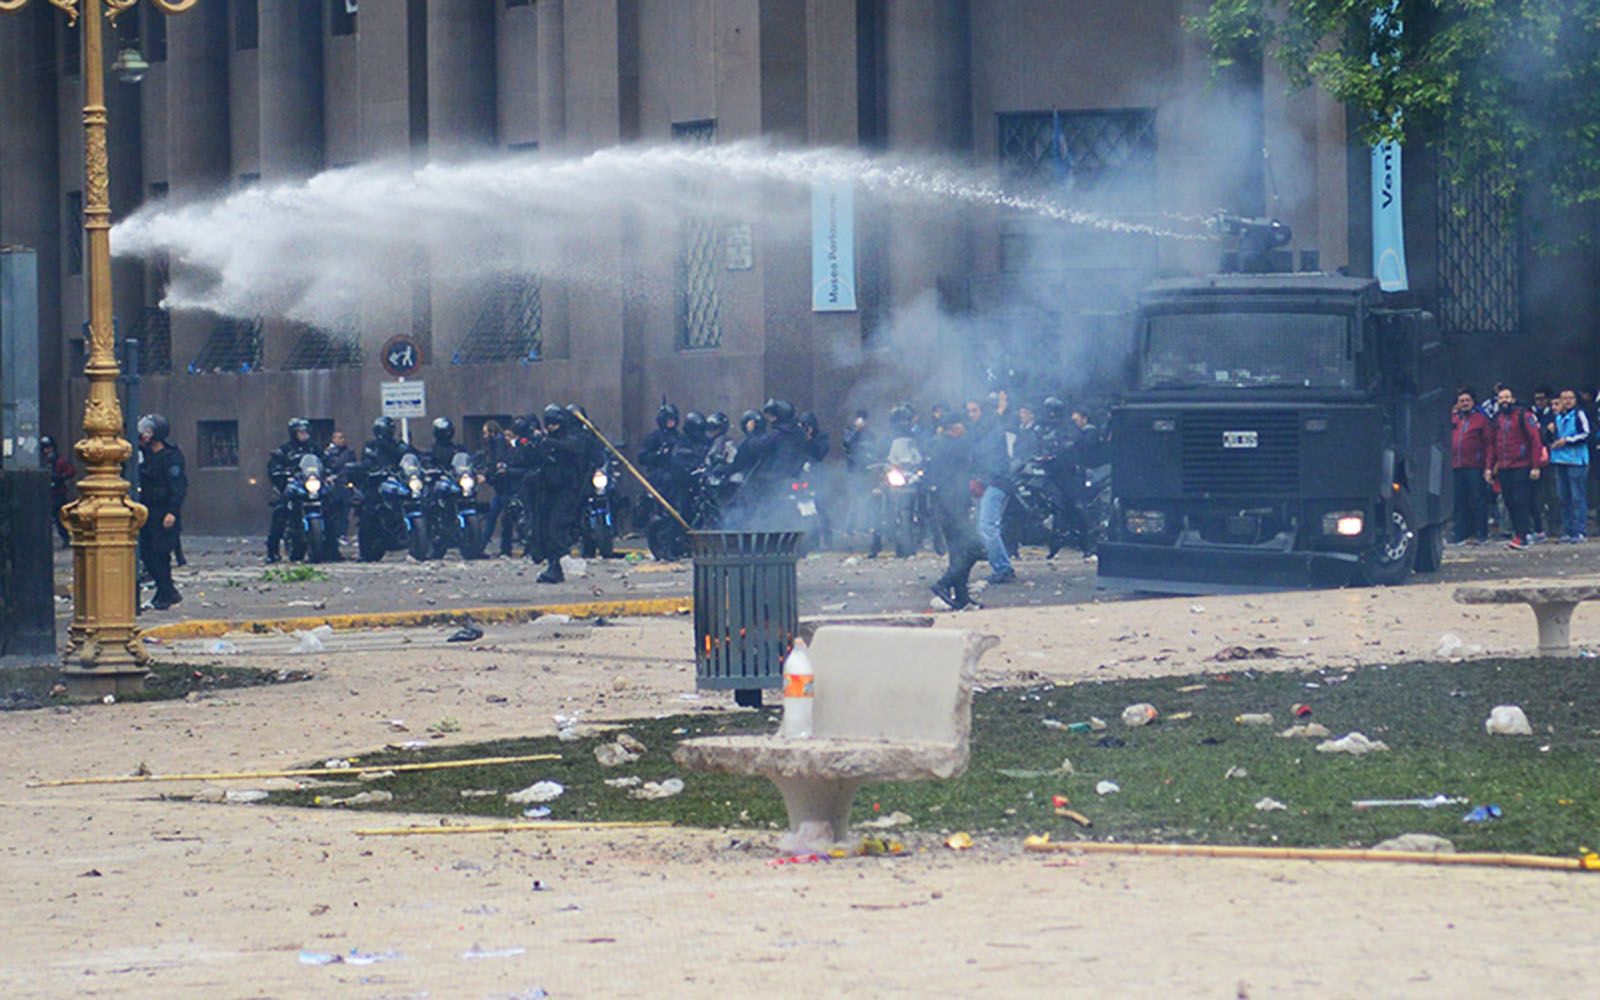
point(1314, 854)
point(304, 772)
point(423, 831)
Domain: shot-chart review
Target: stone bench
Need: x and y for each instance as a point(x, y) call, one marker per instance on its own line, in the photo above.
point(1552, 605)
point(891, 704)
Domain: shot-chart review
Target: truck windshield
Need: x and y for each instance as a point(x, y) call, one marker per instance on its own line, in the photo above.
point(1243, 350)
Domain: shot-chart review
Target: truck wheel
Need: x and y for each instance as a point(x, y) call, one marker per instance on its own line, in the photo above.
point(1389, 563)
point(1430, 549)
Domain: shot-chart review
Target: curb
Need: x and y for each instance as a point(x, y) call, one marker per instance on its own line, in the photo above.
point(210, 628)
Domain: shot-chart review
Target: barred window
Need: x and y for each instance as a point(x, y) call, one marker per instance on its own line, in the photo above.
point(234, 346)
point(509, 327)
point(316, 347)
point(1479, 259)
point(1081, 150)
point(153, 331)
point(217, 444)
point(699, 258)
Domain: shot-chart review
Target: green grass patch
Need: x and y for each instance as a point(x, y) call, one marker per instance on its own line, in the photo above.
point(1171, 773)
point(38, 687)
point(293, 574)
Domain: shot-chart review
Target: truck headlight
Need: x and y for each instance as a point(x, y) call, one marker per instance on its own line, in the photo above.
point(1345, 523)
point(1145, 522)
point(600, 480)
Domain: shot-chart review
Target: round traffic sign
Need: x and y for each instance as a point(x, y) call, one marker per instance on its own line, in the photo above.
point(401, 356)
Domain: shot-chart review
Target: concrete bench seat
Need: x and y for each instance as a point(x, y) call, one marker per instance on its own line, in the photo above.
point(890, 704)
point(1552, 604)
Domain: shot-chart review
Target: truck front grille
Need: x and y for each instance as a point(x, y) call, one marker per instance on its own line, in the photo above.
point(1213, 469)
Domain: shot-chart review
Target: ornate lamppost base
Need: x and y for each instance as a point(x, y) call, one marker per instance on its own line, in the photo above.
point(104, 653)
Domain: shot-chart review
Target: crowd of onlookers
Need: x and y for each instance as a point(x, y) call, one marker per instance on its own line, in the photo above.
point(1525, 468)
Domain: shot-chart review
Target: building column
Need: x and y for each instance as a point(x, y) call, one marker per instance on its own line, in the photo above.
point(552, 82)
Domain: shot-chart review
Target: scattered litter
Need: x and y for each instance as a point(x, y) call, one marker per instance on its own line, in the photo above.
point(539, 791)
point(613, 755)
point(479, 793)
point(313, 641)
point(799, 859)
point(1507, 720)
point(549, 626)
point(632, 782)
point(959, 841)
point(1228, 653)
point(631, 743)
point(852, 561)
point(1300, 711)
point(354, 957)
point(1253, 719)
point(1449, 643)
point(1416, 843)
point(109, 699)
point(445, 725)
point(1235, 772)
point(1482, 814)
point(397, 725)
point(479, 952)
point(1315, 729)
point(1352, 743)
point(888, 822)
point(658, 790)
point(336, 763)
point(1059, 804)
point(1197, 609)
point(374, 775)
point(244, 795)
point(1107, 788)
point(1097, 724)
point(881, 847)
point(466, 633)
point(360, 799)
point(1111, 742)
point(620, 683)
point(574, 566)
point(1021, 774)
point(221, 647)
point(1066, 766)
point(1267, 805)
point(1191, 688)
point(1139, 715)
point(536, 812)
point(1433, 803)
point(835, 607)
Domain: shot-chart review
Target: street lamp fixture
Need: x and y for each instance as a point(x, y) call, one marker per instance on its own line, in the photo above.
point(129, 66)
point(104, 653)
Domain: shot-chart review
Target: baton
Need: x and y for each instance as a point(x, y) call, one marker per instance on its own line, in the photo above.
point(629, 466)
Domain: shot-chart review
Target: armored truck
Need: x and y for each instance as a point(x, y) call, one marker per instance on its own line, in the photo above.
point(1285, 431)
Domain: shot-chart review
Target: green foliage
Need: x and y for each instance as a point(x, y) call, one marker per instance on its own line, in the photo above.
point(1502, 88)
point(1171, 773)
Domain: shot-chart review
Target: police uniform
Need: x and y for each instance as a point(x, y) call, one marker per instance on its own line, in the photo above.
point(163, 483)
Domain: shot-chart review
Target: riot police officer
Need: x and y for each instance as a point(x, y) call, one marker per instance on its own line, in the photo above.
point(655, 455)
point(445, 448)
point(385, 449)
point(771, 458)
point(163, 483)
point(560, 491)
point(282, 464)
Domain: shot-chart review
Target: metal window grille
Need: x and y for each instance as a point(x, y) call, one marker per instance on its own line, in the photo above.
point(217, 444)
point(153, 330)
point(234, 346)
point(320, 348)
point(1090, 149)
point(510, 327)
point(1479, 259)
point(699, 259)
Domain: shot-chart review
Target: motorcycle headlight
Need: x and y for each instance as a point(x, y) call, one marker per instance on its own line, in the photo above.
point(895, 478)
point(467, 482)
point(313, 485)
point(416, 486)
point(600, 480)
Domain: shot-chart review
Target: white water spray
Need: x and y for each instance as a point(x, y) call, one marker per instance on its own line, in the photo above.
point(315, 250)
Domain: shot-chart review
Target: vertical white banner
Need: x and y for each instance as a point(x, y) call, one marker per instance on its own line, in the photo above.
point(1388, 221)
point(833, 247)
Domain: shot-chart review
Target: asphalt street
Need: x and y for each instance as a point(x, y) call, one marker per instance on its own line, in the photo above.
point(225, 579)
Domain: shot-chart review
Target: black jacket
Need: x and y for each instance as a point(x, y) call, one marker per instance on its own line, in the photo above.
point(284, 461)
point(336, 456)
point(381, 454)
point(163, 481)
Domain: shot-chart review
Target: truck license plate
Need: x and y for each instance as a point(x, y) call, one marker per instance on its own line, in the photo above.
point(808, 508)
point(1239, 439)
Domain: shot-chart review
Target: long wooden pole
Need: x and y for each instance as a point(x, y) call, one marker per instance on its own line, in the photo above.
point(556, 825)
point(636, 473)
point(305, 772)
point(1589, 863)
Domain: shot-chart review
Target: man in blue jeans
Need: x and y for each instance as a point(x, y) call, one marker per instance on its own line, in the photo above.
point(1569, 458)
point(992, 461)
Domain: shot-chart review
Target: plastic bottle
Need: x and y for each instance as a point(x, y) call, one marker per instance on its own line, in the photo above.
point(1254, 719)
point(797, 694)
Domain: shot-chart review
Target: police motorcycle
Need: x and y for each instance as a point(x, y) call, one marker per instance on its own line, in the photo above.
point(900, 498)
point(598, 529)
point(454, 520)
point(394, 517)
point(304, 495)
point(1056, 506)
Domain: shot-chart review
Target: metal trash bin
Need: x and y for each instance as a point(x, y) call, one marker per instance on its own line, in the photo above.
point(746, 609)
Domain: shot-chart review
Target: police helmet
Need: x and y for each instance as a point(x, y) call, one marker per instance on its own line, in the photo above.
point(808, 420)
point(667, 416)
point(296, 425)
point(155, 425)
point(383, 428)
point(46, 442)
point(554, 416)
point(1054, 409)
point(901, 418)
point(781, 411)
point(717, 423)
point(444, 430)
point(523, 426)
point(749, 420)
point(694, 425)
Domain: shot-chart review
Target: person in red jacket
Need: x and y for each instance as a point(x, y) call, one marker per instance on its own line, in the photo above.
point(1469, 440)
point(1515, 453)
point(62, 473)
